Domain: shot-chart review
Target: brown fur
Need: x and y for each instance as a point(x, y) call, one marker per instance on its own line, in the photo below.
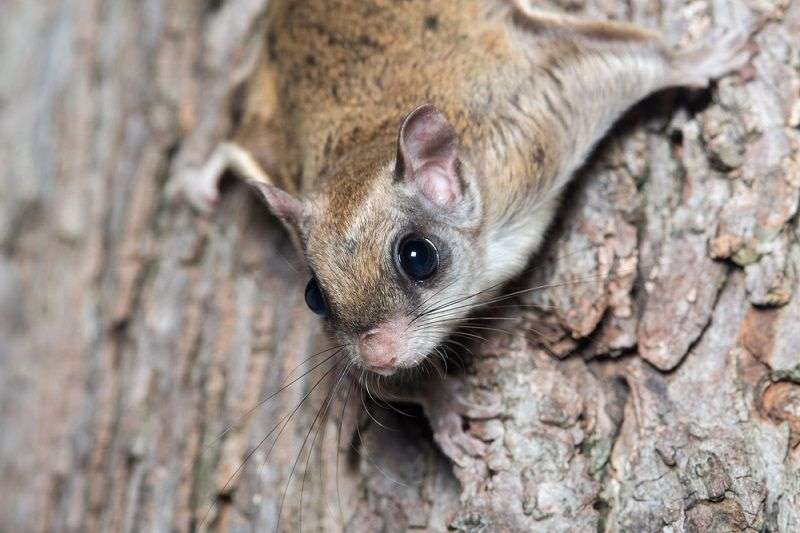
point(346, 71)
point(527, 93)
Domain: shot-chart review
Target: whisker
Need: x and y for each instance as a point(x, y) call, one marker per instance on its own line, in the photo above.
point(339, 448)
point(373, 463)
point(439, 353)
point(447, 318)
point(454, 301)
point(430, 361)
point(459, 344)
point(456, 355)
point(285, 420)
point(530, 269)
point(378, 399)
point(366, 409)
point(471, 335)
point(388, 405)
point(500, 283)
point(309, 358)
point(543, 307)
point(486, 328)
point(278, 436)
point(528, 290)
point(266, 399)
point(326, 408)
point(426, 300)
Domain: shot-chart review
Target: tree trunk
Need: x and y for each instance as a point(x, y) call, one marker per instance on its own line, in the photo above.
point(651, 383)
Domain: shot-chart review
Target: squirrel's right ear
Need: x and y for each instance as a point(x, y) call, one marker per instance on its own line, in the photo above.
point(285, 206)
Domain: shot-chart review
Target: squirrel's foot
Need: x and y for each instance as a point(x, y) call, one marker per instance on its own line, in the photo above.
point(447, 409)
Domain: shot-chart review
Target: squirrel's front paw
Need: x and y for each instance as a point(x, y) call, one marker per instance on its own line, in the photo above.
point(454, 441)
point(446, 409)
point(198, 186)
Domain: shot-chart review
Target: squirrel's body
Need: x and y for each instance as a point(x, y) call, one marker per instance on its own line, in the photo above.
point(346, 72)
point(497, 105)
point(406, 232)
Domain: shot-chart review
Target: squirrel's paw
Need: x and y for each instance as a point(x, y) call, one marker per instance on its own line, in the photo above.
point(198, 186)
point(446, 410)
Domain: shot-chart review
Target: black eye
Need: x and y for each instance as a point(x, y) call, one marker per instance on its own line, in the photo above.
point(418, 257)
point(314, 299)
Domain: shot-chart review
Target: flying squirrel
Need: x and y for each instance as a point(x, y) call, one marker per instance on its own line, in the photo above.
point(416, 151)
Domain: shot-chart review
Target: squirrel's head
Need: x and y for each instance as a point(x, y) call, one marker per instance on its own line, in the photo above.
point(391, 240)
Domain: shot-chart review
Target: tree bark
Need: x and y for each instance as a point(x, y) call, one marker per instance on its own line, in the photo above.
point(651, 383)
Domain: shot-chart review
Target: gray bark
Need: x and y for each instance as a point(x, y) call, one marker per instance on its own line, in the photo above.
point(653, 384)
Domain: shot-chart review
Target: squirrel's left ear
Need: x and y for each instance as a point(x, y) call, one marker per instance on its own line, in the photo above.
point(285, 206)
point(427, 156)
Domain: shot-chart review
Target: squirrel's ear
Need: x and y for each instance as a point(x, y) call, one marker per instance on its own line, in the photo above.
point(427, 156)
point(283, 205)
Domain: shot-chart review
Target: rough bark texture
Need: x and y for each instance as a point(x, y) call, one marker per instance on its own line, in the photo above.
point(653, 385)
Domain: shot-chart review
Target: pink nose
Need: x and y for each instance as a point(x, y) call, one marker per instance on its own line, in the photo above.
point(378, 347)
